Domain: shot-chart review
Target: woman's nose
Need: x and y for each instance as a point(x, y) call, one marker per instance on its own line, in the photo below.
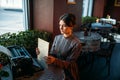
point(61, 27)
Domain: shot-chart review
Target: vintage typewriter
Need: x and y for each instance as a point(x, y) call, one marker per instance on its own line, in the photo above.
point(21, 61)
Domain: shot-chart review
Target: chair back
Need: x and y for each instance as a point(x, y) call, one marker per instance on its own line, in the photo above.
point(108, 46)
point(112, 45)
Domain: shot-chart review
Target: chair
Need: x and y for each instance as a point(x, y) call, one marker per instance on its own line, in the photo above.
point(83, 57)
point(106, 51)
point(104, 34)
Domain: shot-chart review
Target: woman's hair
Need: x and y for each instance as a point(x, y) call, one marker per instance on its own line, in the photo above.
point(69, 19)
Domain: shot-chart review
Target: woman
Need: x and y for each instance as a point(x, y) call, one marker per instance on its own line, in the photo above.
point(66, 48)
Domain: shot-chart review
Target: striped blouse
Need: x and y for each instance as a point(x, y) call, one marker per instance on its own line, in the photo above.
point(67, 51)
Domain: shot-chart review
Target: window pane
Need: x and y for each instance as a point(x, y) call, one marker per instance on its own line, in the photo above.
point(87, 8)
point(11, 16)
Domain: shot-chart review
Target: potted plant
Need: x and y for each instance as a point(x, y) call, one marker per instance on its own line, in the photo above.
point(86, 22)
point(88, 19)
point(4, 60)
point(27, 39)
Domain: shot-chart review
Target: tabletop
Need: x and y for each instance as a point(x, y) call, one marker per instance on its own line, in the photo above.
point(92, 41)
point(101, 26)
point(50, 73)
point(110, 20)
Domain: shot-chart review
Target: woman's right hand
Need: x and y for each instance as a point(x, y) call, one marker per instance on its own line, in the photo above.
point(37, 51)
point(49, 59)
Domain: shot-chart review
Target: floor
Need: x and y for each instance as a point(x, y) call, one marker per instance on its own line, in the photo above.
point(98, 71)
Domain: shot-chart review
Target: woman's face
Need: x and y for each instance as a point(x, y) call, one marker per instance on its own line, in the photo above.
point(64, 29)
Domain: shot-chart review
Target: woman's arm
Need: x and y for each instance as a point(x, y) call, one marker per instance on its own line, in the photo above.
point(71, 59)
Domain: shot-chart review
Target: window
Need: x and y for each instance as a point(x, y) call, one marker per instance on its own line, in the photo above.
point(14, 15)
point(87, 7)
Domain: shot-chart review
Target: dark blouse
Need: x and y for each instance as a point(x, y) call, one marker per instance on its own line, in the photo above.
point(66, 51)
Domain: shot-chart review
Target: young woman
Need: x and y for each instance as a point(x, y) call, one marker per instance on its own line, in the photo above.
point(66, 48)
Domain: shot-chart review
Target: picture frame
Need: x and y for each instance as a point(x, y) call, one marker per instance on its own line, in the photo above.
point(117, 3)
point(71, 2)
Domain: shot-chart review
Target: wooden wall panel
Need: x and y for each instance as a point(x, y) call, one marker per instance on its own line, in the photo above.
point(98, 9)
point(46, 14)
point(43, 15)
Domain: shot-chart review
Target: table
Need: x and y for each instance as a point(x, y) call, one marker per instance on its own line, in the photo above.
point(92, 41)
point(50, 73)
point(111, 21)
point(101, 26)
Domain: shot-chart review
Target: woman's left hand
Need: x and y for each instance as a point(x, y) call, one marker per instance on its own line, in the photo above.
point(49, 59)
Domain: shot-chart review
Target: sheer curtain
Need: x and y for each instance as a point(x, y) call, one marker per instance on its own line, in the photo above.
point(87, 7)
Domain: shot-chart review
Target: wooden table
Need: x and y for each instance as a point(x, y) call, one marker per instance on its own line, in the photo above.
point(51, 73)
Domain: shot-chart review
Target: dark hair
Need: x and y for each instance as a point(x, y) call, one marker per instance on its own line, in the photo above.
point(69, 19)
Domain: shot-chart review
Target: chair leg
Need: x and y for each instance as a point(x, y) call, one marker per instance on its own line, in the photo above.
point(93, 58)
point(108, 64)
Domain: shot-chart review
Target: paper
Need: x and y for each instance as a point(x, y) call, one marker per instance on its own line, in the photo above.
point(43, 47)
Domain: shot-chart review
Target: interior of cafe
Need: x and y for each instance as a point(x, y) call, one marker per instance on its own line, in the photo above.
point(97, 27)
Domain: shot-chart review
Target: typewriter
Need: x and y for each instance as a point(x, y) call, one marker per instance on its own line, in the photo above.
point(21, 61)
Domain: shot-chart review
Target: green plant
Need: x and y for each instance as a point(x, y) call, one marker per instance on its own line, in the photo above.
point(4, 59)
point(3, 73)
point(86, 22)
point(88, 19)
point(28, 39)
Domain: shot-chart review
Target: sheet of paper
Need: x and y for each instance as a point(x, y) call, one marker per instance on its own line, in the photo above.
point(43, 47)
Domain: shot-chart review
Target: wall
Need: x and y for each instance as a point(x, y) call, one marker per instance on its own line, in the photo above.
point(61, 7)
point(46, 14)
point(113, 10)
point(43, 15)
point(103, 7)
point(98, 9)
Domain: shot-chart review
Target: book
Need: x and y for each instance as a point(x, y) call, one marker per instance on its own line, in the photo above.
point(43, 47)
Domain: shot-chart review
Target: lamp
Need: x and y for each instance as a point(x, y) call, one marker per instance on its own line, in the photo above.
point(71, 2)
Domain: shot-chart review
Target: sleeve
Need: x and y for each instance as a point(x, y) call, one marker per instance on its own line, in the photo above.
point(71, 59)
point(52, 51)
point(70, 63)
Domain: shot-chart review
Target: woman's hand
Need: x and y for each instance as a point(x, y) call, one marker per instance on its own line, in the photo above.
point(49, 59)
point(37, 51)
